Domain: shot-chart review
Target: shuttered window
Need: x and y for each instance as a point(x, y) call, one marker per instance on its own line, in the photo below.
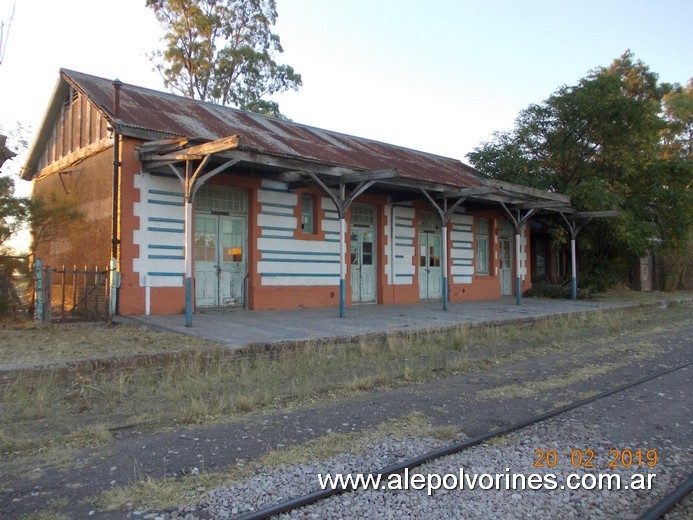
point(482, 242)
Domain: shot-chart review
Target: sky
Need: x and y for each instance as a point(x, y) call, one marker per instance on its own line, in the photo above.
point(433, 75)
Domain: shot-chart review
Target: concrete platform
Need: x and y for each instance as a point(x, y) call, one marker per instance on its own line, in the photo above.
point(239, 327)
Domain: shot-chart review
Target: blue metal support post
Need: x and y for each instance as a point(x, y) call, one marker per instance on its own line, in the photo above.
point(444, 265)
point(573, 265)
point(342, 265)
point(518, 279)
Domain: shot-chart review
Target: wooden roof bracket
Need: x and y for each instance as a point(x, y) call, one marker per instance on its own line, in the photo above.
point(444, 212)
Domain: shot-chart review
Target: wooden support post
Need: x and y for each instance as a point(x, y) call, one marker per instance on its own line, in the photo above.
point(188, 246)
point(444, 265)
point(342, 203)
point(191, 182)
point(574, 229)
point(342, 266)
point(518, 279)
point(573, 270)
point(517, 220)
point(445, 214)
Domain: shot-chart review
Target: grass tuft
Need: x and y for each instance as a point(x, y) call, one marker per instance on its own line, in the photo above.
point(44, 414)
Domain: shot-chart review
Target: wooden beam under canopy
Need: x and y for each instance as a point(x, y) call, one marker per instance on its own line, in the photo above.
point(348, 178)
point(468, 192)
point(526, 190)
point(191, 153)
point(212, 147)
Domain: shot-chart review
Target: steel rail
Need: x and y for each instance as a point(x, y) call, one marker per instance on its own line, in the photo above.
point(668, 502)
point(321, 494)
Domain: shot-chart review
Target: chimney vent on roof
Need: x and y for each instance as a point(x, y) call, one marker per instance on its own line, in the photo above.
point(116, 97)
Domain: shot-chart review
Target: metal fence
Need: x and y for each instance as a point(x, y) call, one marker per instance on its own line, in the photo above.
point(72, 294)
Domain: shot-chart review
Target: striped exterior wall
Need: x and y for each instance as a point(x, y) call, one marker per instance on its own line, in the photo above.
point(461, 248)
point(285, 260)
point(161, 234)
point(404, 253)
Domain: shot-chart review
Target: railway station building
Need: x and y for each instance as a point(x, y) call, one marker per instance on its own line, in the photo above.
point(198, 206)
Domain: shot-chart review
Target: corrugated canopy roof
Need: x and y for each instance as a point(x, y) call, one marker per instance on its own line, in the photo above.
point(144, 111)
point(295, 151)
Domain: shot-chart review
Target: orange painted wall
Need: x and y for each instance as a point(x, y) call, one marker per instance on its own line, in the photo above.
point(170, 300)
point(488, 286)
point(130, 295)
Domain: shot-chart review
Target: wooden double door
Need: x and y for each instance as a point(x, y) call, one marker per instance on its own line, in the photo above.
point(220, 260)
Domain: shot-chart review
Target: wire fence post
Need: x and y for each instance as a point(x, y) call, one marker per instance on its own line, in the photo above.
point(47, 294)
point(38, 290)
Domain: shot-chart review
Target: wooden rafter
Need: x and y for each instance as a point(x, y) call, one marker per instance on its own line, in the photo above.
point(299, 180)
point(526, 190)
point(175, 150)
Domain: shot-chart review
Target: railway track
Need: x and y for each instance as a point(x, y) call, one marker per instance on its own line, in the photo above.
point(318, 495)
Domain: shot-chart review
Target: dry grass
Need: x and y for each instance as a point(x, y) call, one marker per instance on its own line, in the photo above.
point(44, 515)
point(32, 343)
point(149, 493)
point(627, 295)
point(637, 351)
point(45, 415)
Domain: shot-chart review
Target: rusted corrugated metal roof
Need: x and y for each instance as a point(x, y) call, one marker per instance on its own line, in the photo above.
point(162, 113)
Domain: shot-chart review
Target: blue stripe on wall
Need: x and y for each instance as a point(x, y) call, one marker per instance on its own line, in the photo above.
point(284, 237)
point(277, 228)
point(300, 260)
point(177, 248)
point(163, 273)
point(171, 220)
point(277, 205)
point(277, 190)
point(282, 252)
point(165, 230)
point(304, 275)
point(162, 192)
point(166, 257)
point(165, 202)
point(277, 214)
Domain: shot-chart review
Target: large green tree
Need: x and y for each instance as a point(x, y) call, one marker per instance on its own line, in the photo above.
point(619, 139)
point(223, 51)
point(14, 211)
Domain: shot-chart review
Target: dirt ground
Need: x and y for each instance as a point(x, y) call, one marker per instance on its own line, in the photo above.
point(471, 403)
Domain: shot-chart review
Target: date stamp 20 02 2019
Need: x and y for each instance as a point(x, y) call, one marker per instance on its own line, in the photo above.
point(586, 459)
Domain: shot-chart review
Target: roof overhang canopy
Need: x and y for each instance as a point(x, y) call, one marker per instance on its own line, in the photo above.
point(299, 172)
point(176, 130)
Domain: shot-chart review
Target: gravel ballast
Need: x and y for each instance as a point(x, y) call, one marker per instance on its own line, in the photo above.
point(511, 454)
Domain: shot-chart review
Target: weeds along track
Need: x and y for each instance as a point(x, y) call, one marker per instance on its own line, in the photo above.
point(655, 512)
point(129, 360)
point(28, 371)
